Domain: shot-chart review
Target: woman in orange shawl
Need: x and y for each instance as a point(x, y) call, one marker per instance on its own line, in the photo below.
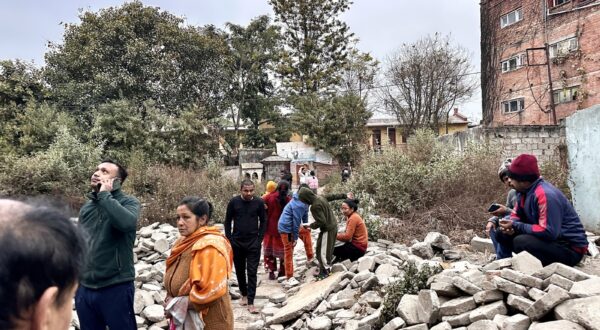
point(200, 265)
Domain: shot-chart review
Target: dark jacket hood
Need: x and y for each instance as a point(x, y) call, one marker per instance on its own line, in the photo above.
point(306, 196)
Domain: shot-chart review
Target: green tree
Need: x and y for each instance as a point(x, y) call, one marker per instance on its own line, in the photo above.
point(316, 43)
point(336, 125)
point(20, 82)
point(253, 51)
point(137, 53)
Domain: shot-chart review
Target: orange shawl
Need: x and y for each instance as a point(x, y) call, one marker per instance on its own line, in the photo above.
point(211, 265)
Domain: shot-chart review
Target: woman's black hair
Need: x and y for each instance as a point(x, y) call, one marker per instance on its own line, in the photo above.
point(283, 187)
point(198, 206)
point(41, 248)
point(312, 173)
point(352, 203)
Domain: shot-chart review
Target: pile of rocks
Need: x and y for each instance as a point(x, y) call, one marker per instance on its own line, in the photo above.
point(516, 293)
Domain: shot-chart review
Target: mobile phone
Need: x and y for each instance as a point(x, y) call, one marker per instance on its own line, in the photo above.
point(493, 207)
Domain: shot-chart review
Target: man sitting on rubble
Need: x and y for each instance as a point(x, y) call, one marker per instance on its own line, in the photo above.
point(543, 221)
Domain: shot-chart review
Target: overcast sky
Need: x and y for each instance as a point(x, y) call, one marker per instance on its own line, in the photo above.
point(26, 26)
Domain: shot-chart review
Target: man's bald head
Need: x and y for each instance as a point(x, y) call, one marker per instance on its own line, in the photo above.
point(12, 210)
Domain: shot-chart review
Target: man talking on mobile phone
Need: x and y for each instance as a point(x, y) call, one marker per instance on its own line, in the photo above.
point(109, 217)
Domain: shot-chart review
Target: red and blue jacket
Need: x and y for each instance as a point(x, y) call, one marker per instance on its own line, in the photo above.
point(544, 211)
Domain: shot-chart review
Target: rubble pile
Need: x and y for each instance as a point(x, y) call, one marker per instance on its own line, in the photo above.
point(516, 293)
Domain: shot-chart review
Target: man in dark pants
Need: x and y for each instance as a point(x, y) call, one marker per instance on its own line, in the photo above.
point(543, 221)
point(247, 212)
point(105, 296)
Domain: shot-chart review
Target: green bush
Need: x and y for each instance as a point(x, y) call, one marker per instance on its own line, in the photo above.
point(64, 169)
point(414, 280)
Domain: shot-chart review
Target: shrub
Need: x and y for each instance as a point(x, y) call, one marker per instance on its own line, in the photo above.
point(436, 189)
point(556, 175)
point(414, 280)
point(162, 188)
point(64, 169)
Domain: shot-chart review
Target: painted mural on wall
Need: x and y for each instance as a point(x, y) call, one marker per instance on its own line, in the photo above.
point(300, 152)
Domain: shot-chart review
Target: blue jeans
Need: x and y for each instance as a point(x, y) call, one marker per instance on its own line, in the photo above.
point(111, 306)
point(503, 244)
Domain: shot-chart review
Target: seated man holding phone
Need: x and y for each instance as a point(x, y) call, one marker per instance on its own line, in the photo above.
point(500, 211)
point(543, 221)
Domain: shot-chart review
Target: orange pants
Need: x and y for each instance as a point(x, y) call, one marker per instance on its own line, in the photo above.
point(288, 254)
point(304, 235)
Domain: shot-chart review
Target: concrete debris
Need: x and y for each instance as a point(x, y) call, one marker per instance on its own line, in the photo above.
point(508, 294)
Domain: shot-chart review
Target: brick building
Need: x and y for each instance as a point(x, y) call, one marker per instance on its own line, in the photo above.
point(540, 60)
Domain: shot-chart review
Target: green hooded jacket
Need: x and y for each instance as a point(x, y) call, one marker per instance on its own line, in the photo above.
point(320, 208)
point(110, 220)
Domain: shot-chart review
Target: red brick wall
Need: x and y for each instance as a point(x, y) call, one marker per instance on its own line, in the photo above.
point(531, 83)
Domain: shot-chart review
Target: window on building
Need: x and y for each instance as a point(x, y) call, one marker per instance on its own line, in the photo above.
point(565, 95)
point(513, 63)
point(514, 105)
point(511, 18)
point(563, 47)
point(559, 2)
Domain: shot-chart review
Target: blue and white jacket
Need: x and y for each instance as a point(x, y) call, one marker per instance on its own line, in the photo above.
point(293, 214)
point(544, 211)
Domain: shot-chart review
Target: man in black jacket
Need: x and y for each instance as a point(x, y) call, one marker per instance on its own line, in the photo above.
point(247, 212)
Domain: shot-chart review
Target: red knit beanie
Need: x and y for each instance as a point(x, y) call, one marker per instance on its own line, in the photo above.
point(524, 168)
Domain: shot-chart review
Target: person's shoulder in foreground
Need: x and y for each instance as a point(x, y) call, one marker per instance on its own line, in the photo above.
point(36, 283)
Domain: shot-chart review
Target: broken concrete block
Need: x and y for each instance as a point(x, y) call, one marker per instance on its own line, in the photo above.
point(483, 325)
point(556, 325)
point(498, 319)
point(429, 307)
point(519, 303)
point(408, 309)
point(394, 324)
point(559, 281)
point(483, 297)
point(586, 288)
point(457, 306)
point(438, 240)
point(445, 289)
point(520, 278)
point(366, 263)
point(562, 270)
point(581, 310)
point(535, 294)
point(516, 322)
point(465, 285)
point(487, 312)
point(458, 320)
point(417, 327)
point(320, 323)
point(422, 250)
point(525, 263)
point(498, 264)
point(442, 326)
point(509, 287)
point(541, 307)
point(482, 244)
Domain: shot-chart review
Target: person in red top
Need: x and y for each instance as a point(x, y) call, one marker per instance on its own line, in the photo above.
point(272, 243)
point(355, 236)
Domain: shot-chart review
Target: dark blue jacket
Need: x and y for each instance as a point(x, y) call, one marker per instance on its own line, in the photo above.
point(545, 212)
